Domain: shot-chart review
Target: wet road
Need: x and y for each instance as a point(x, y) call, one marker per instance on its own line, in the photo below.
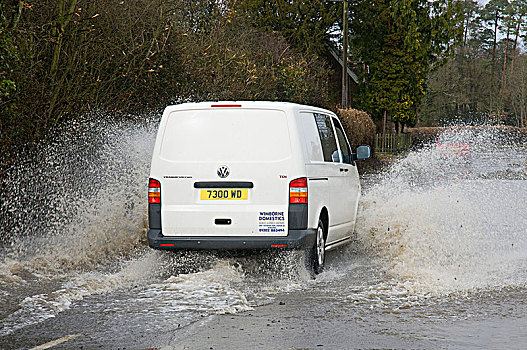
point(439, 260)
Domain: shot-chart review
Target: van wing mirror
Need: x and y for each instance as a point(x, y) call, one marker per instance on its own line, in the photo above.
point(363, 152)
point(336, 156)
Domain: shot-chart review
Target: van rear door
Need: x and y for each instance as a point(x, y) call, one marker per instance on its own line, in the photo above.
point(222, 172)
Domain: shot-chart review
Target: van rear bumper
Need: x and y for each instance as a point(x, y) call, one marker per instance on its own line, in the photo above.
point(296, 239)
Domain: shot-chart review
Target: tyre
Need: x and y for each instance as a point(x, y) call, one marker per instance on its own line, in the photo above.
point(316, 256)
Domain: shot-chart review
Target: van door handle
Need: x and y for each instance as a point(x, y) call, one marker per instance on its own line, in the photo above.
point(223, 221)
point(341, 169)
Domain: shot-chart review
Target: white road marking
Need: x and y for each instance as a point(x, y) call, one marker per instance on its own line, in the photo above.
point(56, 342)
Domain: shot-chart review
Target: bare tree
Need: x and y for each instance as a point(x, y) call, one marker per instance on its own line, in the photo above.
point(518, 91)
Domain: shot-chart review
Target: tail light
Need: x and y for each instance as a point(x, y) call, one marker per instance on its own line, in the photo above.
point(298, 191)
point(154, 191)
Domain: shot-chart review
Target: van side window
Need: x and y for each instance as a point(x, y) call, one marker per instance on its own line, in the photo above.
point(343, 143)
point(327, 137)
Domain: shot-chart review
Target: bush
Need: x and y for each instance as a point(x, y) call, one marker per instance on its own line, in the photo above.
point(135, 57)
point(359, 127)
point(237, 62)
point(424, 135)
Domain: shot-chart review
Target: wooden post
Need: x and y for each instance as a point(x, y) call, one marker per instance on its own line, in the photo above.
point(345, 55)
point(384, 123)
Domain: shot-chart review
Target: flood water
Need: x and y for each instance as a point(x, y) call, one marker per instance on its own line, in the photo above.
point(439, 258)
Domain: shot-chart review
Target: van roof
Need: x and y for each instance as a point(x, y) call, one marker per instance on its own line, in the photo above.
point(245, 104)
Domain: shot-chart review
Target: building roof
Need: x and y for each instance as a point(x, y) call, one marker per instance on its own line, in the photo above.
point(338, 58)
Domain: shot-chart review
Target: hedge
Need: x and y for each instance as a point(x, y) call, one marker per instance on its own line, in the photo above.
point(359, 127)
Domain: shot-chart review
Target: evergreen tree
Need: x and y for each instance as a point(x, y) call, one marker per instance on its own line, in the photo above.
point(402, 41)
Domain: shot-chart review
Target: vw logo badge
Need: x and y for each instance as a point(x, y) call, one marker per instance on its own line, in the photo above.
point(223, 171)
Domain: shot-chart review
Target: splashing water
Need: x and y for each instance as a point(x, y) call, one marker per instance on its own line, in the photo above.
point(444, 225)
point(79, 201)
point(73, 224)
point(70, 213)
point(74, 221)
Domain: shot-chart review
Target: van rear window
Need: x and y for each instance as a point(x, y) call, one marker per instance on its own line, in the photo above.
point(226, 135)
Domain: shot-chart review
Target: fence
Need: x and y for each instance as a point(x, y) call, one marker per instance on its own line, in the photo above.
point(392, 143)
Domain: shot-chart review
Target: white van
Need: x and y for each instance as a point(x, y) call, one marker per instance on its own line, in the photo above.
point(252, 175)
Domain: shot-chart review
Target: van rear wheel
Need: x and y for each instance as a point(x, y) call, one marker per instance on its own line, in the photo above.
point(316, 256)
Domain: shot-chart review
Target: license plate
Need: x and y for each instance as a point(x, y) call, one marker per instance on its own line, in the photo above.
point(223, 194)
